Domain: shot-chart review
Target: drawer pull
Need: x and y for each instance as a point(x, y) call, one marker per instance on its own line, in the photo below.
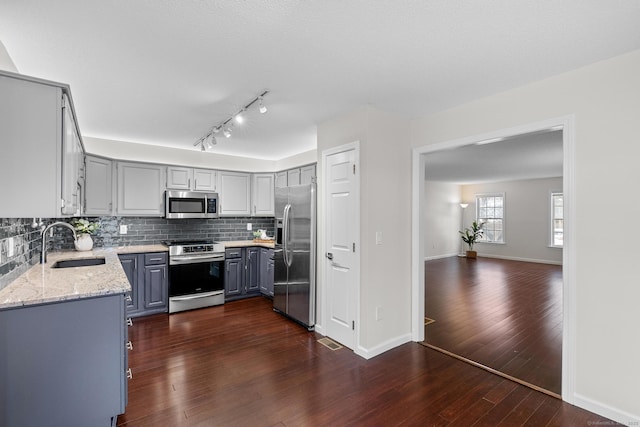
point(129, 374)
point(128, 298)
point(129, 345)
point(129, 321)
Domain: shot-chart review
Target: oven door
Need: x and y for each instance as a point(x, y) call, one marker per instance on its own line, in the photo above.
point(196, 275)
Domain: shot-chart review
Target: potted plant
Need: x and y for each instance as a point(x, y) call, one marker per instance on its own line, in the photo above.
point(470, 236)
point(84, 229)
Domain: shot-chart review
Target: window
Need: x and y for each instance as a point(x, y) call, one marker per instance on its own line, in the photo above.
point(490, 212)
point(557, 219)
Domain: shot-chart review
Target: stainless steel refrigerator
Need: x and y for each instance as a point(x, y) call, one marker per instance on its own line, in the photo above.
point(294, 291)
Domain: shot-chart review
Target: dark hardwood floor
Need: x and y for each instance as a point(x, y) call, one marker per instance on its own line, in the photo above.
point(506, 315)
point(241, 364)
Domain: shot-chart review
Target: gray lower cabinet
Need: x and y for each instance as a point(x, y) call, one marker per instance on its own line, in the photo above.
point(148, 276)
point(64, 363)
point(266, 271)
point(242, 271)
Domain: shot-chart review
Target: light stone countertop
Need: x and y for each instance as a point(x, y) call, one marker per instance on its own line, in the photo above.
point(42, 284)
point(247, 243)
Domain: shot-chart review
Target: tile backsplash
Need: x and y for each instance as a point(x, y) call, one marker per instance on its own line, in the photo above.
point(20, 243)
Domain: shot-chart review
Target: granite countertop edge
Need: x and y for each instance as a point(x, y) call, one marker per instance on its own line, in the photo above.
point(43, 284)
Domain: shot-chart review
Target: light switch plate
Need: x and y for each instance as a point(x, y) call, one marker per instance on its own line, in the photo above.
point(378, 237)
point(124, 229)
point(249, 226)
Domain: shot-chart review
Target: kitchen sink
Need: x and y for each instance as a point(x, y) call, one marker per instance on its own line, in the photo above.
point(78, 262)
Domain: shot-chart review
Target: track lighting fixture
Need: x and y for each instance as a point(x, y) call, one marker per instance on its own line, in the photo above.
point(226, 126)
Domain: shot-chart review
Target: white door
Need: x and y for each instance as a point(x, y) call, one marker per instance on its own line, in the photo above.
point(341, 235)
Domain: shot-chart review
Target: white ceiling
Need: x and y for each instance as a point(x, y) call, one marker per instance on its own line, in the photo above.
point(164, 71)
point(528, 156)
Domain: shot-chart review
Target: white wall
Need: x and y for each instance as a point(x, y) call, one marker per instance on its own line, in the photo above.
point(527, 219)
point(385, 198)
point(605, 101)
point(122, 150)
point(6, 63)
point(441, 219)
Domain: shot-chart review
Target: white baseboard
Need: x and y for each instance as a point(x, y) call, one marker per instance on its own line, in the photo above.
point(513, 258)
point(607, 411)
point(318, 328)
point(381, 348)
point(431, 258)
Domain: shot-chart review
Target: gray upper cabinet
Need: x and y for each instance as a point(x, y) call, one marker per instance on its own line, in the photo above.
point(293, 177)
point(297, 176)
point(263, 194)
point(140, 189)
point(307, 173)
point(73, 164)
point(42, 161)
point(281, 179)
point(179, 178)
point(189, 179)
point(235, 193)
point(98, 186)
point(205, 180)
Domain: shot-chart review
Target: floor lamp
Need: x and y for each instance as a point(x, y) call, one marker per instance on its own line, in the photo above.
point(463, 206)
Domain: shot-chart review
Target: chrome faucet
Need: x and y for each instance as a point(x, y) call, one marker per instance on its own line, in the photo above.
point(43, 252)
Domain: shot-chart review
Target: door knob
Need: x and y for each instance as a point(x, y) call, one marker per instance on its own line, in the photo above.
point(329, 255)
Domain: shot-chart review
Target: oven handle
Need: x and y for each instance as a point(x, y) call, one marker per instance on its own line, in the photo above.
point(196, 296)
point(195, 259)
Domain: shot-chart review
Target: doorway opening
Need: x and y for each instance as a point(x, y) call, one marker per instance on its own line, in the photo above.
point(442, 277)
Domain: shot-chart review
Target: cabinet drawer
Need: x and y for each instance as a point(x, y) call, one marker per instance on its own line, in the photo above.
point(233, 253)
point(155, 258)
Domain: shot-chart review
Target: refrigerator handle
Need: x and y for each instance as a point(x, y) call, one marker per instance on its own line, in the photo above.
point(285, 235)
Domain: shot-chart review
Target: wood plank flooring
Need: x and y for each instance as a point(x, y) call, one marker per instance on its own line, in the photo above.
point(506, 315)
point(241, 364)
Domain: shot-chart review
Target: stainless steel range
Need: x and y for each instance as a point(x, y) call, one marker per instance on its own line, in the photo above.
point(196, 274)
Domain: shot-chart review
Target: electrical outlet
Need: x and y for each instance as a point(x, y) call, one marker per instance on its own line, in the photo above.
point(249, 226)
point(124, 229)
point(10, 247)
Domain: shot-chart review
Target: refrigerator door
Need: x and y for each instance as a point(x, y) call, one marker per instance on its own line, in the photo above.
point(301, 277)
point(280, 267)
point(280, 280)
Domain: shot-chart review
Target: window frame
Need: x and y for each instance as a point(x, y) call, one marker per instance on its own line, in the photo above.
point(552, 218)
point(503, 218)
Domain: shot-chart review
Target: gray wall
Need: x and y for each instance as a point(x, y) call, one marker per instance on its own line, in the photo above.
point(141, 231)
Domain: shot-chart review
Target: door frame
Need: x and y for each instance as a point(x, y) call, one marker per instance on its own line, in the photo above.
point(567, 123)
point(322, 260)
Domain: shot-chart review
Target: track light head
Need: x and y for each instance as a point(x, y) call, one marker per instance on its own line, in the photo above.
point(262, 108)
point(227, 132)
point(239, 118)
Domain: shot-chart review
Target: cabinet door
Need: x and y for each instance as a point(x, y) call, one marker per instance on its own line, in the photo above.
point(155, 287)
point(130, 266)
point(307, 174)
point(233, 277)
point(253, 270)
point(179, 178)
point(205, 180)
point(72, 163)
point(263, 194)
point(140, 189)
point(98, 186)
point(281, 179)
point(293, 177)
point(234, 190)
point(262, 277)
point(270, 275)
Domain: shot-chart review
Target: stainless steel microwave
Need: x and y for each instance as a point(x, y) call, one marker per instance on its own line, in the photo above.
point(190, 204)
